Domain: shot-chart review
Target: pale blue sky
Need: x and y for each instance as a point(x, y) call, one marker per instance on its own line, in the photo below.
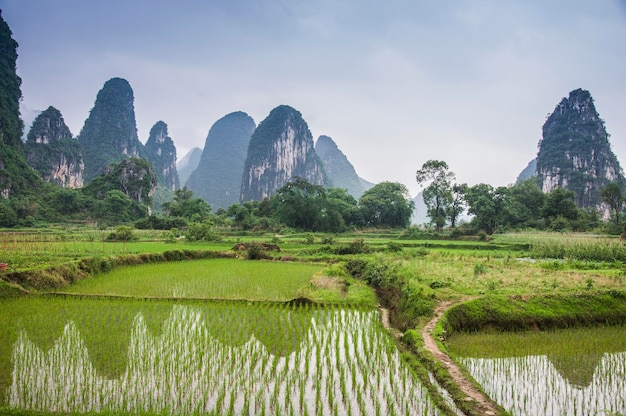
point(394, 83)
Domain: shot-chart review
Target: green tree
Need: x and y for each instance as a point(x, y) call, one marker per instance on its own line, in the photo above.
point(184, 205)
point(457, 205)
point(342, 206)
point(611, 195)
point(438, 193)
point(300, 204)
point(487, 204)
point(8, 217)
point(525, 204)
point(559, 208)
point(386, 204)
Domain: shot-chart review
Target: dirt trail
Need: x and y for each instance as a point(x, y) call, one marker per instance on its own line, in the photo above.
point(484, 404)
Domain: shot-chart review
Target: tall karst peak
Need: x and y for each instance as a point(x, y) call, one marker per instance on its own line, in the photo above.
point(281, 149)
point(49, 127)
point(161, 152)
point(217, 177)
point(109, 134)
point(51, 150)
point(575, 153)
point(338, 168)
point(16, 177)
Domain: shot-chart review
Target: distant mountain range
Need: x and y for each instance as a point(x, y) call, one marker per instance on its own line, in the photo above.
point(243, 162)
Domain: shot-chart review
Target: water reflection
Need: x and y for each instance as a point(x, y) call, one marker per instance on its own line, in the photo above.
point(531, 385)
point(343, 364)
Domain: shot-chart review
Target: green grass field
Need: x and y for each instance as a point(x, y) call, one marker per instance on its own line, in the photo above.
point(207, 279)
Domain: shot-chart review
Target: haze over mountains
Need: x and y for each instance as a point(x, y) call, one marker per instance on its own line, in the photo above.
point(243, 162)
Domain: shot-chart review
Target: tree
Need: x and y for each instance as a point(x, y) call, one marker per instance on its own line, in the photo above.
point(457, 205)
point(341, 211)
point(525, 204)
point(487, 205)
point(386, 204)
point(560, 202)
point(438, 194)
point(300, 204)
point(612, 196)
point(186, 206)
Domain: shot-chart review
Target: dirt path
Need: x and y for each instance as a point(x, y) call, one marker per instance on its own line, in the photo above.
point(384, 317)
point(484, 404)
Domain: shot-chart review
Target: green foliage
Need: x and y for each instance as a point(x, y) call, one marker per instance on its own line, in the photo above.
point(8, 217)
point(559, 208)
point(184, 205)
point(387, 204)
point(611, 195)
point(438, 193)
point(299, 204)
point(123, 192)
point(487, 205)
point(543, 312)
point(201, 231)
point(357, 246)
point(575, 149)
point(122, 233)
point(157, 222)
point(256, 251)
point(11, 125)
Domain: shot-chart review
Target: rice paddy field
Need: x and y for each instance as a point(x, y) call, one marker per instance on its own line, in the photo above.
point(213, 279)
point(566, 372)
point(111, 355)
point(297, 335)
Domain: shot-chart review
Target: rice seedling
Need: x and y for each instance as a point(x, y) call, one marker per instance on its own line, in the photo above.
point(574, 371)
point(184, 368)
point(213, 279)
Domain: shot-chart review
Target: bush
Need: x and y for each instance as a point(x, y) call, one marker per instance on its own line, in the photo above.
point(357, 246)
point(122, 233)
point(201, 231)
point(256, 251)
point(394, 247)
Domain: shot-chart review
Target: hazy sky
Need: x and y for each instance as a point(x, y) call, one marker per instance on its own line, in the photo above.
point(393, 82)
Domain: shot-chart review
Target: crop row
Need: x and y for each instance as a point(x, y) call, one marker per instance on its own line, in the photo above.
point(343, 363)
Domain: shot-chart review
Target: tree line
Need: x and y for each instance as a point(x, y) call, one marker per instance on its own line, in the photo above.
point(301, 205)
point(520, 206)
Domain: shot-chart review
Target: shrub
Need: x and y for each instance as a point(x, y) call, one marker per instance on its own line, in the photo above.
point(122, 233)
point(357, 246)
point(256, 251)
point(201, 231)
point(480, 268)
point(394, 247)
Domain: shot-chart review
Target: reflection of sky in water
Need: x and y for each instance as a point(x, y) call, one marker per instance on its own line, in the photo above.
point(344, 364)
point(531, 385)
